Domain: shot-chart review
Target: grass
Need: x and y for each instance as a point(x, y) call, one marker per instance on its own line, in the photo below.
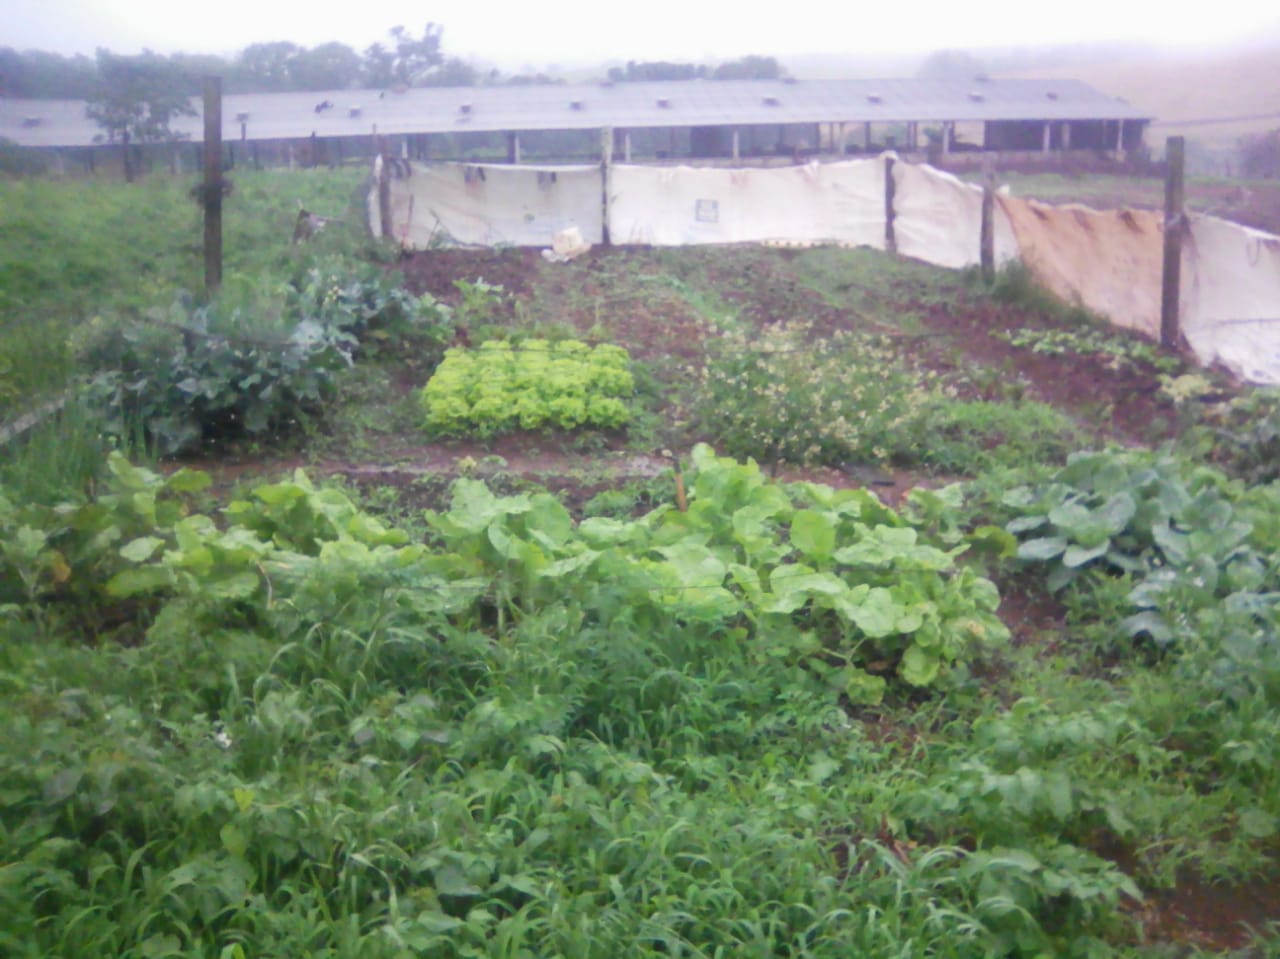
point(77, 249)
point(885, 293)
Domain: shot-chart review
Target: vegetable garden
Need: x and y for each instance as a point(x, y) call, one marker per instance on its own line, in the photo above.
point(732, 602)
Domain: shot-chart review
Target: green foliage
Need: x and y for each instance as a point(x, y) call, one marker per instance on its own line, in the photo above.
point(1015, 285)
point(1201, 556)
point(831, 581)
point(1242, 436)
point(535, 385)
point(70, 251)
point(786, 395)
point(323, 713)
point(1117, 349)
point(260, 359)
point(16, 160)
point(480, 303)
point(1111, 509)
point(594, 738)
point(969, 437)
point(137, 98)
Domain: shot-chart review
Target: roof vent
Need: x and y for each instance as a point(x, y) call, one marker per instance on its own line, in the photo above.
point(874, 98)
point(1052, 94)
point(977, 97)
point(324, 105)
point(355, 112)
point(576, 105)
point(242, 118)
point(32, 121)
point(464, 108)
point(664, 103)
point(772, 102)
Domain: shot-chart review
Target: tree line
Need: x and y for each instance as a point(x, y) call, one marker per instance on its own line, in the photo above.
point(404, 59)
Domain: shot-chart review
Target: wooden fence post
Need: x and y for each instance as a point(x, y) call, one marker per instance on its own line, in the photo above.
point(384, 197)
point(212, 192)
point(1174, 226)
point(987, 235)
point(606, 176)
point(890, 190)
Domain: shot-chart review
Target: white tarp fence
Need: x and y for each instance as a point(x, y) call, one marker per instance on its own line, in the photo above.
point(1111, 262)
point(1107, 260)
point(470, 204)
point(937, 218)
point(1230, 298)
point(836, 203)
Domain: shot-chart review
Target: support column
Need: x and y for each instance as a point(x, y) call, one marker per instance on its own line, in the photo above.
point(1046, 138)
point(866, 137)
point(737, 145)
point(1120, 137)
point(626, 146)
point(947, 128)
point(513, 148)
point(1066, 134)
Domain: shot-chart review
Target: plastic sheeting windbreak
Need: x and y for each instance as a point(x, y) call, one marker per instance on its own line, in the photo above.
point(1107, 260)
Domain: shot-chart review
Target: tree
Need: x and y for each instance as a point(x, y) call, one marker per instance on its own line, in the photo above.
point(950, 65)
point(411, 62)
point(330, 66)
point(750, 68)
point(645, 70)
point(453, 72)
point(136, 100)
point(1260, 155)
point(268, 67)
point(38, 74)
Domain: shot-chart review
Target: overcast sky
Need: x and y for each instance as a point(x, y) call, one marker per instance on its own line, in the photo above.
point(541, 32)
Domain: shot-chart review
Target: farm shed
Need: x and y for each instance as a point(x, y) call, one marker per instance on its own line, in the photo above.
point(705, 120)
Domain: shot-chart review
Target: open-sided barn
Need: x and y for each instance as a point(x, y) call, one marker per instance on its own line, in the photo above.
point(703, 119)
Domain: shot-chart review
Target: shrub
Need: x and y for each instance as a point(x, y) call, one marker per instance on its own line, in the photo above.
point(259, 359)
point(969, 437)
point(786, 396)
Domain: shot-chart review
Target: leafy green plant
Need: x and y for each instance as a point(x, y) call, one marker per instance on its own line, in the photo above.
point(480, 302)
point(1119, 350)
point(830, 580)
point(787, 395)
point(534, 385)
point(1242, 436)
point(969, 437)
point(1112, 509)
point(192, 373)
point(260, 359)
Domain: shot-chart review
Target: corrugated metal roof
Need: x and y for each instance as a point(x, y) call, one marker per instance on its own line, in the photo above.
point(270, 116)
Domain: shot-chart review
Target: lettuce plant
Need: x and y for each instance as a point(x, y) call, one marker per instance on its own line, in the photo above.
point(535, 385)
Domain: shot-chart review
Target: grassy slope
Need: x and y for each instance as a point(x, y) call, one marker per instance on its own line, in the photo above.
point(76, 249)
